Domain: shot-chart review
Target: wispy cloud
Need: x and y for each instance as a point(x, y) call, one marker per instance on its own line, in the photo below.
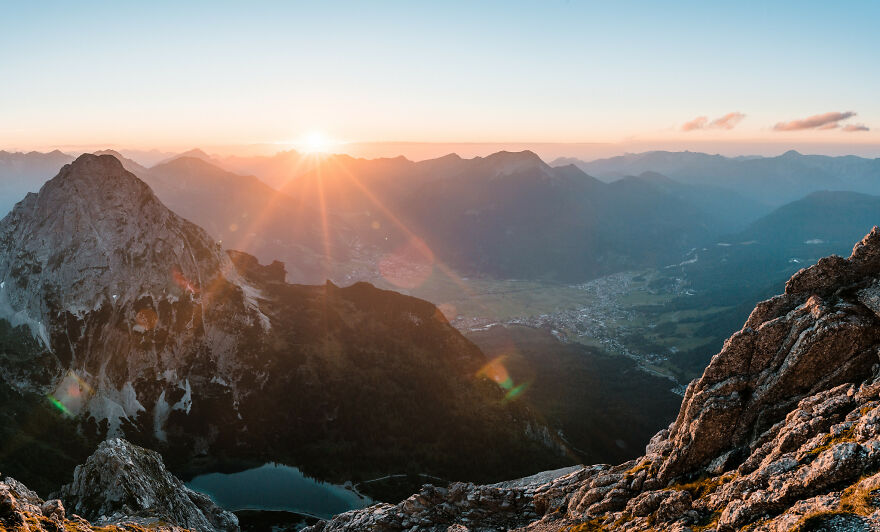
point(822, 121)
point(852, 128)
point(728, 121)
point(697, 123)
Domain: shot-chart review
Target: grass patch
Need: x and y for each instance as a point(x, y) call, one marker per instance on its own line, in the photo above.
point(708, 523)
point(638, 467)
point(831, 441)
point(702, 486)
point(858, 500)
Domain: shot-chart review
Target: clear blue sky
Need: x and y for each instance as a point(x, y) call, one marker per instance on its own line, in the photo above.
point(186, 73)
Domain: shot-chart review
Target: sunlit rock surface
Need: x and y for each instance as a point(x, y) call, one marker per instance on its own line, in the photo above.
point(120, 487)
point(121, 481)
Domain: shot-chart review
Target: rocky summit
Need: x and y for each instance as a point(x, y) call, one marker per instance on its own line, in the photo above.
point(120, 487)
point(121, 481)
point(117, 287)
point(781, 432)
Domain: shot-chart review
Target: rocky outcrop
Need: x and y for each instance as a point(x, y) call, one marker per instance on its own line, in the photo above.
point(123, 482)
point(464, 505)
point(782, 432)
point(22, 510)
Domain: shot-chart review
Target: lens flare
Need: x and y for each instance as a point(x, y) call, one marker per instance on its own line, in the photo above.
point(496, 371)
point(516, 391)
point(182, 281)
point(71, 394)
point(59, 405)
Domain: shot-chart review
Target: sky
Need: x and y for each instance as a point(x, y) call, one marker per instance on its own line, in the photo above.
point(587, 77)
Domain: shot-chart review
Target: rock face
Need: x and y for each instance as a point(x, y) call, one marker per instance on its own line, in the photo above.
point(84, 240)
point(782, 432)
point(117, 287)
point(21, 510)
point(123, 482)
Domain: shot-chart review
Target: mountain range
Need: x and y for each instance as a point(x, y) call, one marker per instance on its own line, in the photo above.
point(132, 320)
point(496, 215)
point(769, 180)
point(339, 217)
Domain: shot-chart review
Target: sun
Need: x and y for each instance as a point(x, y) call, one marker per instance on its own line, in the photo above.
point(316, 142)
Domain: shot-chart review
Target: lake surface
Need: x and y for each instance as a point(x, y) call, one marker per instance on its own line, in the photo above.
point(277, 487)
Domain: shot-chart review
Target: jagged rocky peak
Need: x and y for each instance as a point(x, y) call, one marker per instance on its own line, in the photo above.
point(121, 290)
point(97, 234)
point(781, 432)
point(121, 487)
point(507, 163)
point(122, 482)
point(818, 334)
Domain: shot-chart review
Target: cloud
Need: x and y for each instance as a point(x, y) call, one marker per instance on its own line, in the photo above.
point(697, 123)
point(823, 121)
point(728, 121)
point(852, 128)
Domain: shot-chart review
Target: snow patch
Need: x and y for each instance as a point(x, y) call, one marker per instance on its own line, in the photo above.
point(21, 317)
point(185, 403)
point(103, 408)
point(160, 416)
point(129, 400)
point(251, 301)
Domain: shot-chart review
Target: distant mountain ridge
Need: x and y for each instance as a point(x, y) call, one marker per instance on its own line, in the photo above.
point(508, 214)
point(21, 173)
point(771, 180)
point(339, 217)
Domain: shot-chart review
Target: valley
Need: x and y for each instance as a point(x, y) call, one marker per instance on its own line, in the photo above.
point(641, 315)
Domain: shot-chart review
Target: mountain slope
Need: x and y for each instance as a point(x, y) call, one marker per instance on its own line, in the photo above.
point(780, 433)
point(820, 218)
point(245, 213)
point(732, 210)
